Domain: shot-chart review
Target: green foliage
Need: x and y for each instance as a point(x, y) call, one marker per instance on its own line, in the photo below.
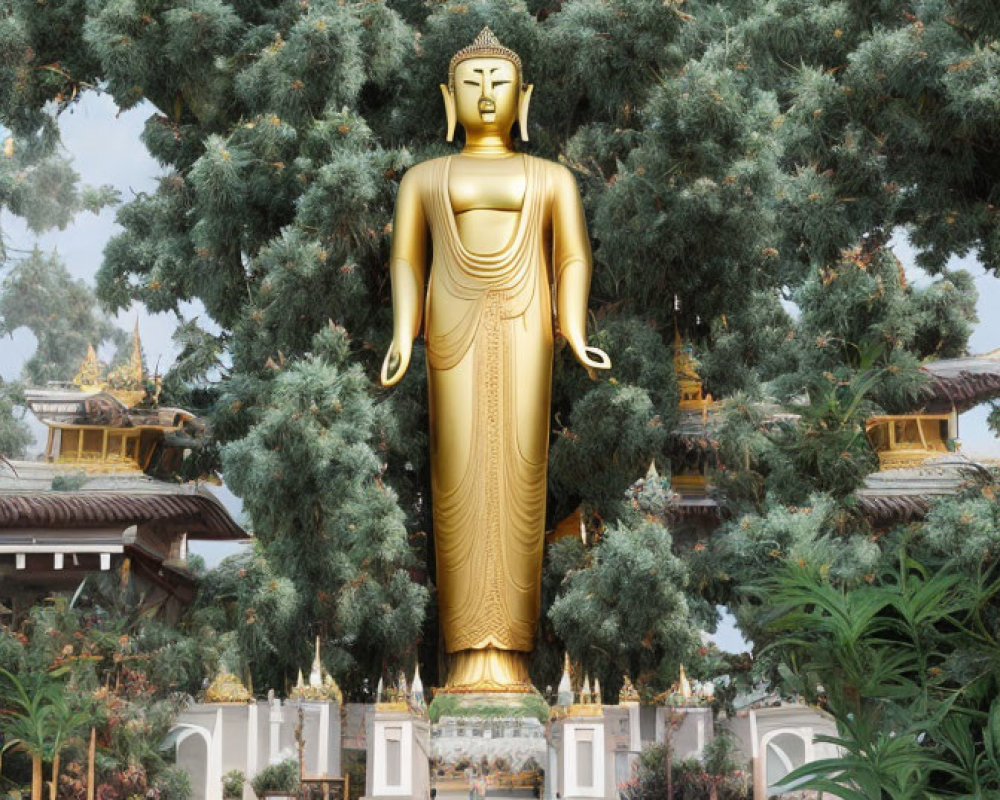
point(70, 481)
point(107, 665)
point(625, 610)
point(451, 705)
point(39, 294)
point(692, 779)
point(881, 658)
point(752, 547)
point(282, 777)
point(329, 528)
point(15, 436)
point(232, 783)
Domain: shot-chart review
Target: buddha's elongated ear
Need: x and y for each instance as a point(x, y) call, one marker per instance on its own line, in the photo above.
point(449, 111)
point(522, 110)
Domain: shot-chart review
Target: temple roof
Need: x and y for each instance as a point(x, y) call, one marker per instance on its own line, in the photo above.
point(28, 500)
point(962, 383)
point(901, 495)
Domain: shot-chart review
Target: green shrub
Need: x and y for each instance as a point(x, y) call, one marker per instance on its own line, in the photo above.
point(283, 777)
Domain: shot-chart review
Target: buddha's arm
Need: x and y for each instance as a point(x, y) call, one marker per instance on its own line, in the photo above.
point(407, 267)
point(572, 268)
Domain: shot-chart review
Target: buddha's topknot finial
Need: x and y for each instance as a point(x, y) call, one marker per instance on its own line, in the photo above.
point(485, 45)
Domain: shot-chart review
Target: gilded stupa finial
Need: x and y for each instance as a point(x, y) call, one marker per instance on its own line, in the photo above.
point(321, 684)
point(485, 45)
point(684, 685)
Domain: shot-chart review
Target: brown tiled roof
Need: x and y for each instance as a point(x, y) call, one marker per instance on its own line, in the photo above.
point(27, 500)
point(962, 383)
point(902, 495)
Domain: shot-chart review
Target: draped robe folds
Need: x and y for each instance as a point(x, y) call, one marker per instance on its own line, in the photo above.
point(489, 334)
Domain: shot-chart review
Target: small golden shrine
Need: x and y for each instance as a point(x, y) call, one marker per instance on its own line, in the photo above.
point(908, 440)
point(688, 380)
point(688, 470)
point(227, 688)
point(628, 695)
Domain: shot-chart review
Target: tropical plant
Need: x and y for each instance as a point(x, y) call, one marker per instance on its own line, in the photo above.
point(37, 719)
point(906, 666)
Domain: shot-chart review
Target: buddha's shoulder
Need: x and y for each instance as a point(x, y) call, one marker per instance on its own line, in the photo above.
point(422, 173)
point(552, 169)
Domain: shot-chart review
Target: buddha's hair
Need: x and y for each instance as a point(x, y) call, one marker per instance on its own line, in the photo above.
point(485, 45)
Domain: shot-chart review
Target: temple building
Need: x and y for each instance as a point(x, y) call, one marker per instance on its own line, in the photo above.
point(919, 453)
point(98, 499)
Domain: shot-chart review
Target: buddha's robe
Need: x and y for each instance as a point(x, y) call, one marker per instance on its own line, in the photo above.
point(489, 334)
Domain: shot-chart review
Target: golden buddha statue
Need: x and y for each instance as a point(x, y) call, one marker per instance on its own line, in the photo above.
point(507, 232)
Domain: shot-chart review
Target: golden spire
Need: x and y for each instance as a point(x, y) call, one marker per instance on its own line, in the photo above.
point(485, 45)
point(683, 685)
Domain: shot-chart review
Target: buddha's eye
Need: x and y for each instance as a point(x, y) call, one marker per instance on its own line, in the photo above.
point(471, 83)
point(500, 83)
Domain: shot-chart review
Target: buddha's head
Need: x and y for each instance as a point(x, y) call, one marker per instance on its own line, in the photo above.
point(484, 92)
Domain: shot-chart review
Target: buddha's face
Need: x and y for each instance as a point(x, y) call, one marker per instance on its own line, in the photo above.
point(486, 95)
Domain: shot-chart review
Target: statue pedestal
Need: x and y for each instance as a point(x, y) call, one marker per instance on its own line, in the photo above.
point(398, 755)
point(493, 738)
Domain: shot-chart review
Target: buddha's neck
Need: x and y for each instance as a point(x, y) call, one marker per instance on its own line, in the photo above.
point(487, 144)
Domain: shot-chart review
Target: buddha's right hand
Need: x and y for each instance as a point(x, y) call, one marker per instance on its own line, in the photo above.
point(396, 362)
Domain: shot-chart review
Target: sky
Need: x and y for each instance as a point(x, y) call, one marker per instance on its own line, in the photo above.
point(106, 149)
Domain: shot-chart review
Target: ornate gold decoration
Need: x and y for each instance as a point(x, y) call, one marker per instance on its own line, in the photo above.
point(91, 371)
point(688, 379)
point(628, 694)
point(485, 45)
point(321, 686)
point(227, 688)
point(503, 229)
point(125, 383)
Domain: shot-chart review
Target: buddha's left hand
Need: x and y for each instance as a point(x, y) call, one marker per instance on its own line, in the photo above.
point(592, 358)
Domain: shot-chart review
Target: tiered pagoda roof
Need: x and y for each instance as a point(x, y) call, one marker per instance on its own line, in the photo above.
point(961, 383)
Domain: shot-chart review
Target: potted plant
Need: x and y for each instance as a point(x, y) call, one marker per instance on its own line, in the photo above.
point(277, 780)
point(232, 785)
